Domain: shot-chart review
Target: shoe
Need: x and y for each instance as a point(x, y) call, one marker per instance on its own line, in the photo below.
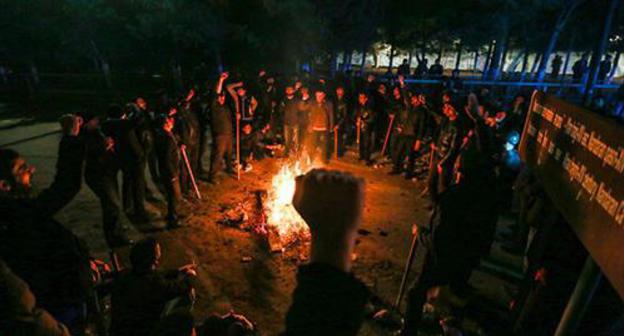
point(248, 167)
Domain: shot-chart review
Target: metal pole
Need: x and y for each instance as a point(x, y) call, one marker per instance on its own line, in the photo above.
point(581, 297)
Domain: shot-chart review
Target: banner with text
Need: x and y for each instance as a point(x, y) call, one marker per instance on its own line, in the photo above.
point(579, 157)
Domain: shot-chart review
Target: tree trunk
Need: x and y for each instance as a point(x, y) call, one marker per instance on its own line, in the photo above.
point(505, 52)
point(476, 60)
point(349, 60)
point(525, 64)
point(363, 61)
point(601, 46)
point(554, 36)
point(409, 58)
point(567, 59)
point(391, 58)
point(333, 63)
point(459, 54)
point(497, 58)
point(487, 59)
point(535, 63)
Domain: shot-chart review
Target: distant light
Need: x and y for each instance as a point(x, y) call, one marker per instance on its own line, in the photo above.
point(509, 147)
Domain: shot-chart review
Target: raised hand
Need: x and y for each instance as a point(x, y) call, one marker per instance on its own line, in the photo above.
point(331, 203)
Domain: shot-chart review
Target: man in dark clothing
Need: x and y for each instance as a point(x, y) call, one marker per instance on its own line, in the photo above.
point(605, 68)
point(328, 299)
point(145, 133)
point(321, 123)
point(403, 69)
point(342, 116)
point(555, 67)
point(187, 129)
point(422, 68)
point(380, 123)
point(130, 153)
point(461, 227)
point(38, 249)
point(579, 68)
point(410, 127)
point(365, 117)
point(168, 154)
point(102, 166)
point(141, 294)
point(436, 70)
point(303, 106)
point(222, 132)
point(445, 152)
point(289, 110)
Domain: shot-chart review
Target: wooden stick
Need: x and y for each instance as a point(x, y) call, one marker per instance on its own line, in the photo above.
point(238, 163)
point(336, 142)
point(383, 149)
point(190, 171)
point(408, 266)
point(357, 132)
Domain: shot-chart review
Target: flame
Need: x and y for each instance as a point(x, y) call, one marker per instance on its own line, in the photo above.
point(282, 216)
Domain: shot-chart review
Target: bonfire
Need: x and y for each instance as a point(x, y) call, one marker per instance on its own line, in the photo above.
point(282, 218)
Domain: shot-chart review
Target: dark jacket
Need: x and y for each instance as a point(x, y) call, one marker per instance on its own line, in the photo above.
point(127, 143)
point(221, 119)
point(138, 299)
point(168, 155)
point(321, 116)
point(366, 116)
point(41, 251)
point(289, 109)
point(326, 302)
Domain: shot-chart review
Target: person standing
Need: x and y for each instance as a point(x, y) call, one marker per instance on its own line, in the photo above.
point(342, 115)
point(321, 123)
point(365, 117)
point(222, 121)
point(410, 127)
point(605, 68)
point(168, 154)
point(290, 112)
point(555, 67)
point(580, 68)
point(102, 165)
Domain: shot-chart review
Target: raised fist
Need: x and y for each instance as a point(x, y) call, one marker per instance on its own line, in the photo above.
point(331, 203)
point(329, 200)
point(224, 75)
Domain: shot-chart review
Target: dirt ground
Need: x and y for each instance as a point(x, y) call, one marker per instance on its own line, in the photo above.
point(261, 287)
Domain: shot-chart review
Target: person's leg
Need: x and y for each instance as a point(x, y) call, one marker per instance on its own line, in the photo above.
point(108, 192)
point(126, 188)
point(228, 151)
point(287, 140)
point(324, 142)
point(172, 188)
point(138, 188)
point(398, 154)
point(216, 157)
point(411, 159)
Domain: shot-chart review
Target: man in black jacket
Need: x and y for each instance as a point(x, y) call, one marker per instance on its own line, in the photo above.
point(222, 121)
point(365, 117)
point(328, 299)
point(102, 166)
point(342, 119)
point(168, 154)
point(410, 127)
point(50, 258)
point(289, 107)
point(130, 153)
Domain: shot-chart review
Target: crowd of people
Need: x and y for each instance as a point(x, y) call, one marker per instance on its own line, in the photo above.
point(461, 143)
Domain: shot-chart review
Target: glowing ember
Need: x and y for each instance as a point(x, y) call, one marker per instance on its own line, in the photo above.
point(282, 216)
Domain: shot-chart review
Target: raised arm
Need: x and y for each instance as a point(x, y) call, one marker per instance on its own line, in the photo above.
point(231, 88)
point(222, 78)
point(68, 178)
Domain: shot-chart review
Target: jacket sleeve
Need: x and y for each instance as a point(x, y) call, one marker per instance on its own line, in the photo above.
point(326, 302)
point(68, 178)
